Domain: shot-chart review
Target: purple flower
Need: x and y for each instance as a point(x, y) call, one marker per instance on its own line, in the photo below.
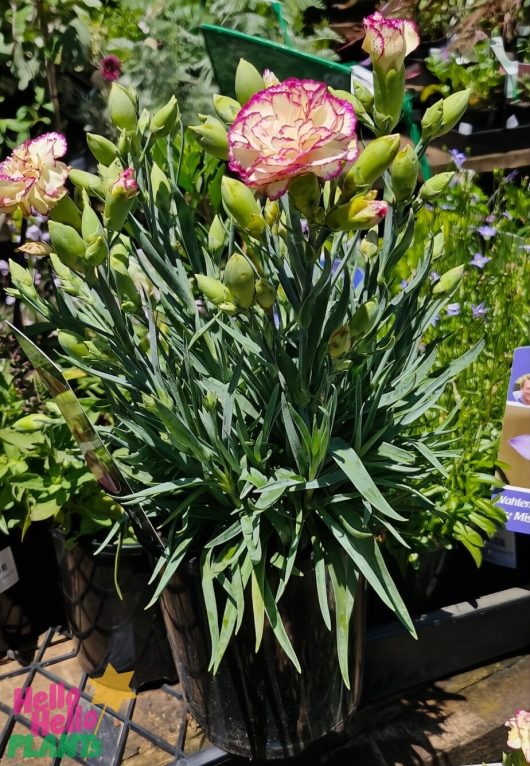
point(404, 283)
point(479, 260)
point(511, 176)
point(490, 218)
point(479, 311)
point(434, 276)
point(458, 157)
point(507, 215)
point(453, 309)
point(33, 233)
point(435, 320)
point(4, 267)
point(10, 299)
point(487, 231)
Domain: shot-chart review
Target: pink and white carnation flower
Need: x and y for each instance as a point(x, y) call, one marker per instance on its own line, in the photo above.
point(388, 41)
point(519, 734)
point(32, 178)
point(289, 129)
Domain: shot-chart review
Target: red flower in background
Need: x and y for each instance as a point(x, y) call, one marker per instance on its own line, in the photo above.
point(110, 68)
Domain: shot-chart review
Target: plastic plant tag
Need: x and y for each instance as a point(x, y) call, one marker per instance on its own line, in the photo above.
point(8, 569)
point(96, 455)
point(510, 67)
point(514, 450)
point(501, 549)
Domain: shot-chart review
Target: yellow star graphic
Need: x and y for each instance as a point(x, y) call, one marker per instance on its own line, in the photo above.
point(111, 690)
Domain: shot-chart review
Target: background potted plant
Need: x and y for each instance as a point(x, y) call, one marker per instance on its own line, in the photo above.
point(265, 402)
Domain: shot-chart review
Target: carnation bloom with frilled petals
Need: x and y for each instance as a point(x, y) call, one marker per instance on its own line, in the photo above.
point(388, 41)
point(32, 178)
point(519, 734)
point(110, 68)
point(290, 129)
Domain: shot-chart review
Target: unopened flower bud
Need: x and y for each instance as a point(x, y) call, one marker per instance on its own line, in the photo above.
point(103, 150)
point(371, 163)
point(67, 244)
point(212, 137)
point(124, 143)
point(339, 342)
point(19, 275)
point(96, 253)
point(227, 108)
point(88, 181)
point(239, 278)
point(360, 213)
point(442, 116)
point(241, 204)
point(304, 190)
point(66, 211)
point(125, 186)
point(123, 105)
point(130, 299)
point(364, 319)
point(369, 244)
point(435, 186)
point(363, 95)
point(73, 344)
point(448, 282)
point(213, 289)
point(271, 211)
point(160, 186)
point(120, 201)
point(33, 422)
point(248, 81)
point(404, 172)
point(91, 227)
point(217, 237)
point(265, 293)
point(165, 119)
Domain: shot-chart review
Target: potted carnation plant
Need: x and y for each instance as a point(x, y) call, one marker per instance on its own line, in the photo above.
point(265, 376)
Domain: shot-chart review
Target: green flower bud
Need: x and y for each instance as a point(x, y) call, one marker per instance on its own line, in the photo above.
point(304, 190)
point(248, 81)
point(241, 204)
point(165, 119)
point(431, 122)
point(102, 149)
point(217, 237)
point(265, 293)
point(91, 227)
point(128, 294)
point(212, 137)
point(96, 253)
point(370, 244)
point(272, 212)
point(161, 187)
point(227, 108)
point(361, 212)
point(339, 342)
point(363, 95)
point(442, 116)
point(88, 181)
point(438, 245)
point(124, 143)
point(34, 422)
point(404, 172)
point(371, 163)
point(239, 278)
point(448, 282)
point(73, 344)
point(67, 244)
point(66, 211)
point(435, 186)
point(213, 289)
point(364, 319)
point(123, 106)
point(229, 308)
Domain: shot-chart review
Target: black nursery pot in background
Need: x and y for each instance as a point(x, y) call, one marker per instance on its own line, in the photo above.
point(257, 704)
point(106, 628)
point(34, 603)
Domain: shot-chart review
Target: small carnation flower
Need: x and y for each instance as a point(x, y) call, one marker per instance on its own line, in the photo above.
point(288, 130)
point(479, 311)
point(453, 309)
point(32, 178)
point(479, 260)
point(125, 185)
point(388, 41)
point(110, 68)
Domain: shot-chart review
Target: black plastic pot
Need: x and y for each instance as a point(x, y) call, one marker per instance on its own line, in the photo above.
point(106, 628)
point(34, 603)
point(258, 705)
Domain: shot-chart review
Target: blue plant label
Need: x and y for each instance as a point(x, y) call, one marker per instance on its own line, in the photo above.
point(8, 569)
point(514, 450)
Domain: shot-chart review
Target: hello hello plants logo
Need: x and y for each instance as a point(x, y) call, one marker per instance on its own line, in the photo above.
point(59, 726)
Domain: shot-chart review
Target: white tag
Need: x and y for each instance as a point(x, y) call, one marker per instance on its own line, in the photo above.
point(465, 129)
point(501, 549)
point(8, 570)
point(512, 122)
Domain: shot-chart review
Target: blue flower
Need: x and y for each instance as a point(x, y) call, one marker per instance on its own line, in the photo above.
point(479, 311)
point(434, 276)
point(404, 283)
point(458, 157)
point(435, 320)
point(479, 260)
point(487, 231)
point(453, 309)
